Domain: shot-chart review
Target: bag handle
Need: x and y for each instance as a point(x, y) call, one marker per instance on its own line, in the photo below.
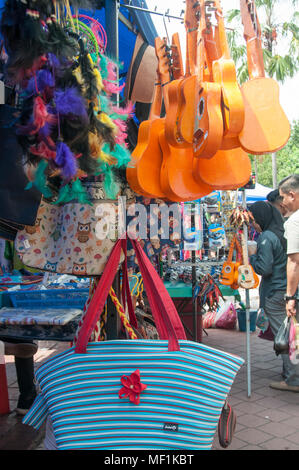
point(167, 321)
point(126, 293)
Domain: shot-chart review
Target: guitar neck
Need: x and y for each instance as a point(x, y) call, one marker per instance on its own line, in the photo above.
point(252, 35)
point(155, 111)
point(244, 250)
point(191, 25)
point(177, 61)
point(200, 58)
point(222, 38)
point(231, 250)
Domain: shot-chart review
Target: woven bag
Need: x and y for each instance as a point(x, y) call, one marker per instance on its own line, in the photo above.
point(134, 394)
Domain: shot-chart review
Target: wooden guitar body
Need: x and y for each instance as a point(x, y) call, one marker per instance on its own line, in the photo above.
point(227, 273)
point(227, 169)
point(176, 102)
point(144, 175)
point(246, 276)
point(176, 176)
point(208, 123)
point(187, 112)
point(266, 128)
point(224, 73)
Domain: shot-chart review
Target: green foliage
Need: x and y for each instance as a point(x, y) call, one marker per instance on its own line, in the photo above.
point(277, 66)
point(287, 160)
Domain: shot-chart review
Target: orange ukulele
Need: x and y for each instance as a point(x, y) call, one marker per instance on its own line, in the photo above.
point(266, 127)
point(224, 72)
point(229, 267)
point(176, 171)
point(227, 169)
point(200, 120)
point(143, 174)
point(214, 53)
point(247, 278)
point(175, 92)
point(208, 122)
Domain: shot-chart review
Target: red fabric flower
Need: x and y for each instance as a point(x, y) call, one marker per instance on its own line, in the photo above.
point(132, 387)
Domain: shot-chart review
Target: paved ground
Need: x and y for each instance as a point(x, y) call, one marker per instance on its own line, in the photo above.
point(267, 420)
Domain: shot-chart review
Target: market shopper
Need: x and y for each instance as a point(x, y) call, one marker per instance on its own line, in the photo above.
point(24, 364)
point(270, 262)
point(289, 190)
point(276, 200)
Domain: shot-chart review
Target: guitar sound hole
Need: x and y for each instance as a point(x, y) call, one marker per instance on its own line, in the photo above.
point(201, 107)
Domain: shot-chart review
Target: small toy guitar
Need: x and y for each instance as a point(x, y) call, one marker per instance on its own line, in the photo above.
point(229, 268)
point(247, 277)
point(266, 128)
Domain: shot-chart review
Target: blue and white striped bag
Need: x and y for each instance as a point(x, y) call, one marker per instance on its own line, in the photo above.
point(179, 409)
point(134, 394)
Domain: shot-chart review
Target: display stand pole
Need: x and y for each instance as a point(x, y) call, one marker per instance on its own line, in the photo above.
point(194, 303)
point(247, 305)
point(112, 51)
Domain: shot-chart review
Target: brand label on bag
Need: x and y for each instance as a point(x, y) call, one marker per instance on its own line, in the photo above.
point(173, 427)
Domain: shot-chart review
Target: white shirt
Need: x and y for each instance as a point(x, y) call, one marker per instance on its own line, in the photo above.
point(291, 227)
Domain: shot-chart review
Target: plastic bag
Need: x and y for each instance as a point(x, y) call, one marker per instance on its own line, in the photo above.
point(208, 319)
point(281, 340)
point(226, 317)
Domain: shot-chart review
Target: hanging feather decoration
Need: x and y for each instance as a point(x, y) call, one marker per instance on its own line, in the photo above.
point(66, 161)
point(41, 116)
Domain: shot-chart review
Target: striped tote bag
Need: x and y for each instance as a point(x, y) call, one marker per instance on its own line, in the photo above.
point(134, 394)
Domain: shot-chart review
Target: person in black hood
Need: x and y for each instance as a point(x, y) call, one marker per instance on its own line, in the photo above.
point(269, 262)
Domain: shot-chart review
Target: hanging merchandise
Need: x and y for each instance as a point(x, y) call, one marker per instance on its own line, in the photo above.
point(169, 372)
point(18, 207)
point(229, 273)
point(70, 127)
point(266, 128)
point(74, 238)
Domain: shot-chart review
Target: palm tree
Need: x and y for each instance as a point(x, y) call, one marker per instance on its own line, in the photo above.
point(277, 65)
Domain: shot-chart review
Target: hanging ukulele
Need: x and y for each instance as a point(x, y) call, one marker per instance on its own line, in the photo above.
point(224, 72)
point(144, 173)
point(266, 128)
point(230, 267)
point(176, 176)
point(176, 94)
point(247, 277)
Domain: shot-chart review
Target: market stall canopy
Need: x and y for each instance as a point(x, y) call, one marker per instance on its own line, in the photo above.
point(259, 193)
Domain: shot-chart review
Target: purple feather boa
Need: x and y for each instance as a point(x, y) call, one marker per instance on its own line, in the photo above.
point(66, 160)
point(70, 103)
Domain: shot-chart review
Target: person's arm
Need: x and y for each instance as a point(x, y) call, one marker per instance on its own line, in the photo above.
point(262, 261)
point(292, 282)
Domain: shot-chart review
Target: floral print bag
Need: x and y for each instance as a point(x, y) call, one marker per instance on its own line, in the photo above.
point(74, 238)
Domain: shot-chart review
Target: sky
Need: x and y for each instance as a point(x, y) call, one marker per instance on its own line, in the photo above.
point(289, 90)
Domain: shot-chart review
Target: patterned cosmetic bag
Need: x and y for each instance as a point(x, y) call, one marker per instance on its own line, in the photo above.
point(74, 238)
point(135, 393)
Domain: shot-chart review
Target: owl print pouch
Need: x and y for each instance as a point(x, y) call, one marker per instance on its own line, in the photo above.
point(71, 239)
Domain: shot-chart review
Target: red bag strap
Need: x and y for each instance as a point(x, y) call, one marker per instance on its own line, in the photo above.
point(126, 293)
point(167, 321)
